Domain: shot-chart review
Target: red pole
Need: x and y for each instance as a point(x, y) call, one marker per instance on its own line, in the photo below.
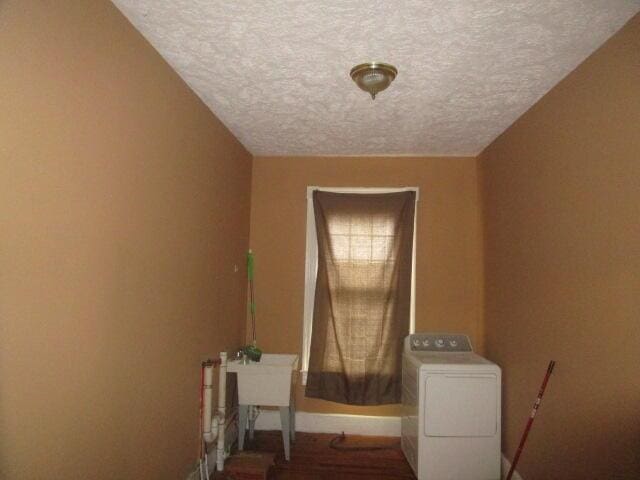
point(525, 434)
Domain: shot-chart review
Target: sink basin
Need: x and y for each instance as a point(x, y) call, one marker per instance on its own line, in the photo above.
point(267, 382)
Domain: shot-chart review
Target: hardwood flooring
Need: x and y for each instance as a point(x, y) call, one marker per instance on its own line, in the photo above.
point(313, 459)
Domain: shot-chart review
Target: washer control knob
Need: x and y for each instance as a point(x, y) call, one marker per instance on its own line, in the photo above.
point(416, 342)
point(425, 343)
point(439, 343)
point(453, 343)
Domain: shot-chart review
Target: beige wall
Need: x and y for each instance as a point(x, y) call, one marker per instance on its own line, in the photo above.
point(448, 237)
point(561, 194)
point(124, 204)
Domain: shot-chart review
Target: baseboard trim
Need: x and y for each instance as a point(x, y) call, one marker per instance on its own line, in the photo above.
point(506, 465)
point(333, 423)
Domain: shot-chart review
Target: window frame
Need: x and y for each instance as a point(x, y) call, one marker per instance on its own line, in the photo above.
point(311, 263)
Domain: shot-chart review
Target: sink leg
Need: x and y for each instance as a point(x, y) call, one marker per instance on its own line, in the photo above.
point(243, 411)
point(285, 417)
point(252, 421)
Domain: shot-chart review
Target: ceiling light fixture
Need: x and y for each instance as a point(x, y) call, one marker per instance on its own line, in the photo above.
point(373, 77)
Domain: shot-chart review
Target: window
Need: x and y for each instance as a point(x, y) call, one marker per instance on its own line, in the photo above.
point(353, 240)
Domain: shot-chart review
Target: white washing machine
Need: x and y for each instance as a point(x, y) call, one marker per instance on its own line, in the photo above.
point(451, 409)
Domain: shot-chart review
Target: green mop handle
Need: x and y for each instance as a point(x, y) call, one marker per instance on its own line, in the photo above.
point(252, 304)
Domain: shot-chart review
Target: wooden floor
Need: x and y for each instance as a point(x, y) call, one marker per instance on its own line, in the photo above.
point(313, 459)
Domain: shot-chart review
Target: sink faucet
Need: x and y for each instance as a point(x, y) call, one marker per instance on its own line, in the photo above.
point(240, 355)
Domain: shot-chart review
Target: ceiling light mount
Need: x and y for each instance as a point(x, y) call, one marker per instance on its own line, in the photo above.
point(373, 77)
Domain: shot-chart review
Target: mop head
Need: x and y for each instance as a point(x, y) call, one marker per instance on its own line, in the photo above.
point(253, 353)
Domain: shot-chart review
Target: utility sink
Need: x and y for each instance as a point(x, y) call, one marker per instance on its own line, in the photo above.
point(267, 382)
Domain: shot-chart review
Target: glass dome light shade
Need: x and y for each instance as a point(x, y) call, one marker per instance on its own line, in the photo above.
point(373, 77)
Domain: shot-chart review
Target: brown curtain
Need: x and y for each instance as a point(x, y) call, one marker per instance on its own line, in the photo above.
point(363, 294)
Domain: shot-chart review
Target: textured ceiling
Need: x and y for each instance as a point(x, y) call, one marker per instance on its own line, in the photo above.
point(277, 72)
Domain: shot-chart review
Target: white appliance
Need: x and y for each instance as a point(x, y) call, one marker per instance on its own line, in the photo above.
point(451, 409)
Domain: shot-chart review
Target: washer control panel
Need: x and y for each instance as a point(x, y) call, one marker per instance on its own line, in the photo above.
point(439, 342)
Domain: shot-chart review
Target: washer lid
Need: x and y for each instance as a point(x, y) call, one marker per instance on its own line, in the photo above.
point(432, 358)
point(450, 361)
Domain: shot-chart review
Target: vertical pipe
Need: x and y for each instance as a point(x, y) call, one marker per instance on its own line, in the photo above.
point(208, 386)
point(222, 402)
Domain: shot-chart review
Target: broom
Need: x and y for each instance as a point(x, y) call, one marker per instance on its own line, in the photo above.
point(527, 428)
